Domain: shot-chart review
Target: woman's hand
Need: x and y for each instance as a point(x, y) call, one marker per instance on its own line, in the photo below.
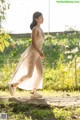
point(42, 55)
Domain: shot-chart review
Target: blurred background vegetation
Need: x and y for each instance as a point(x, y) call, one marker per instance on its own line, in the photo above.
point(61, 64)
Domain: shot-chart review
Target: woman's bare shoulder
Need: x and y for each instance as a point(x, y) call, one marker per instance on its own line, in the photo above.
point(35, 29)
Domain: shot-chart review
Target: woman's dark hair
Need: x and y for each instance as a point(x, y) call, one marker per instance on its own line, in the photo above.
point(35, 16)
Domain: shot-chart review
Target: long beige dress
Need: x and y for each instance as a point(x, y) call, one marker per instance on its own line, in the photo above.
point(30, 64)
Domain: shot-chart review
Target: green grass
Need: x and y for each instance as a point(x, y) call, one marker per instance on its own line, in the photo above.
point(20, 111)
point(24, 111)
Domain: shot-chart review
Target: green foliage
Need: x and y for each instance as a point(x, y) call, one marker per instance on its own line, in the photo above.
point(4, 5)
point(63, 114)
point(5, 73)
point(20, 111)
point(5, 41)
point(61, 78)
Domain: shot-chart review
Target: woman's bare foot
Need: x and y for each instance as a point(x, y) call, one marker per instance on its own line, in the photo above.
point(35, 95)
point(12, 89)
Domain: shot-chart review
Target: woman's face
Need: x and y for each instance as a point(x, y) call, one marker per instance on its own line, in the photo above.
point(40, 19)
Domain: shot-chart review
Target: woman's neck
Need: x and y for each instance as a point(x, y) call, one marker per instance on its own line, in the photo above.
point(38, 25)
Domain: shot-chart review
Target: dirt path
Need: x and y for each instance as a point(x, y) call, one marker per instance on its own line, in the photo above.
point(58, 101)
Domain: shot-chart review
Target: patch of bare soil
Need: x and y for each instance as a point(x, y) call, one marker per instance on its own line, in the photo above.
point(58, 101)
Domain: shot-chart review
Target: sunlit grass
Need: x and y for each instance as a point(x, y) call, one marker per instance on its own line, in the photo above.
point(45, 93)
point(21, 111)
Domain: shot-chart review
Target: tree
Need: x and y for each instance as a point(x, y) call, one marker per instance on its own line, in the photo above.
point(5, 39)
point(4, 5)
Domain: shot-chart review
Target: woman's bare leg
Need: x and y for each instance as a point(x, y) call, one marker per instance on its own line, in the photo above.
point(39, 70)
point(29, 75)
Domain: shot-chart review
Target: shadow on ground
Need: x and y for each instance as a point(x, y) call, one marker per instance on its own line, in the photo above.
point(33, 109)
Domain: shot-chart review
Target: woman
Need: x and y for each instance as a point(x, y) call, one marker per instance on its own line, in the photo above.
point(28, 73)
